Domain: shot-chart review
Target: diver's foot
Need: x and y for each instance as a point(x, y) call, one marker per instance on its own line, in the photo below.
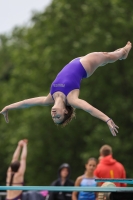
point(126, 50)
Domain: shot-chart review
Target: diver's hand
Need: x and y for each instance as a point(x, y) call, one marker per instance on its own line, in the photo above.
point(5, 113)
point(21, 143)
point(25, 141)
point(112, 126)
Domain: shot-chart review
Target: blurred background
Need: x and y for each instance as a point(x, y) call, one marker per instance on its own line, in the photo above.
point(32, 51)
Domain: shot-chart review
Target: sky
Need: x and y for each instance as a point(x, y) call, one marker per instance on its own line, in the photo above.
point(18, 12)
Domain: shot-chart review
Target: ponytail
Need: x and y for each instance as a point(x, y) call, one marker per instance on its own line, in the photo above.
point(14, 168)
point(11, 180)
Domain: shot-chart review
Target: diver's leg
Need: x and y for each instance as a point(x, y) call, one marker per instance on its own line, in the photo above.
point(94, 60)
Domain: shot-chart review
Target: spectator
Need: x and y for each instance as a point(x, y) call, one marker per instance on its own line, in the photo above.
point(63, 180)
point(16, 170)
point(87, 179)
point(108, 167)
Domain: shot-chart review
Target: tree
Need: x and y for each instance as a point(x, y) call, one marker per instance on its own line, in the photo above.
point(30, 59)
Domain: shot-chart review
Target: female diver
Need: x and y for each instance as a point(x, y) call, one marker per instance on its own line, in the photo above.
point(64, 91)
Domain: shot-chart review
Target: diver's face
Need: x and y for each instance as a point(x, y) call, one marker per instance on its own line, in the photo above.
point(58, 114)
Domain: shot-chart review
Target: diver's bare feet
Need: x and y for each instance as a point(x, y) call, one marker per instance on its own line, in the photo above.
point(126, 50)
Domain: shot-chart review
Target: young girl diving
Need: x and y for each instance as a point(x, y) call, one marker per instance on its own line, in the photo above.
point(65, 89)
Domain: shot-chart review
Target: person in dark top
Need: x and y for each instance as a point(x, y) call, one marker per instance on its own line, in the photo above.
point(63, 180)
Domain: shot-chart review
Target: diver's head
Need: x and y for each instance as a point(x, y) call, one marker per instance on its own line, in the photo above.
point(15, 166)
point(62, 116)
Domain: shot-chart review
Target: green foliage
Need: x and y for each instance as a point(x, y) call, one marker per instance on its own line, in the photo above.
point(31, 57)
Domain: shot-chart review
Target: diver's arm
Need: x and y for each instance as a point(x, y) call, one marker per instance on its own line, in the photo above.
point(42, 101)
point(81, 104)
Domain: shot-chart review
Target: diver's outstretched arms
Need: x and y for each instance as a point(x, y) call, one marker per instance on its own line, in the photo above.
point(37, 101)
point(82, 104)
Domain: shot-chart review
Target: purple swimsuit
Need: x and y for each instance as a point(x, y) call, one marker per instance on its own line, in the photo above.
point(69, 78)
